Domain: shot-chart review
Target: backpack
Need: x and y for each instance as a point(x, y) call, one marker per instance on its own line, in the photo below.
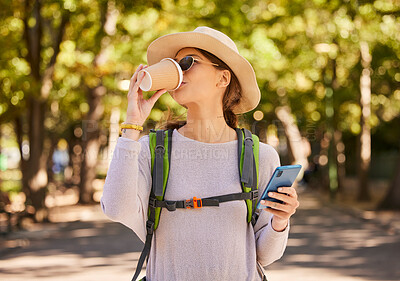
point(160, 142)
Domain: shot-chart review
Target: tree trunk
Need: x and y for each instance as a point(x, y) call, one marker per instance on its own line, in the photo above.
point(91, 144)
point(298, 145)
point(73, 176)
point(34, 174)
point(323, 162)
point(365, 136)
point(50, 162)
point(392, 198)
point(34, 169)
point(340, 158)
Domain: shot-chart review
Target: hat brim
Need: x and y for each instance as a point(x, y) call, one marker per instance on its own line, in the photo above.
point(168, 45)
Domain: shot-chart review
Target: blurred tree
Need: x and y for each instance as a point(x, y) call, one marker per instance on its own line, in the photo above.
point(42, 38)
point(309, 58)
point(94, 95)
point(64, 68)
point(365, 135)
point(392, 198)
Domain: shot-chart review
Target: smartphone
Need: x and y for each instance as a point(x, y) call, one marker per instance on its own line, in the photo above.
point(282, 176)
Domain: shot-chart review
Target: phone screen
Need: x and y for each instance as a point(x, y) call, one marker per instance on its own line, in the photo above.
point(282, 176)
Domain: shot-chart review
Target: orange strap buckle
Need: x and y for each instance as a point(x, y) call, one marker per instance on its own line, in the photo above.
point(193, 203)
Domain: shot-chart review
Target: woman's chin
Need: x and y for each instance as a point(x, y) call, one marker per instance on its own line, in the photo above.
point(175, 92)
point(175, 95)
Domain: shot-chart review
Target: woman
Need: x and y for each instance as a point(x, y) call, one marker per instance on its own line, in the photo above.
point(214, 243)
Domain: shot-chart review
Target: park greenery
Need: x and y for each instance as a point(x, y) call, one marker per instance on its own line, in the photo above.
point(328, 71)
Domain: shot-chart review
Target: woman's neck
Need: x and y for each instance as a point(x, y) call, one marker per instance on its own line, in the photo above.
point(209, 130)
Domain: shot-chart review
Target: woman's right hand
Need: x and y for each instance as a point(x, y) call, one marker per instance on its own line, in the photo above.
point(139, 108)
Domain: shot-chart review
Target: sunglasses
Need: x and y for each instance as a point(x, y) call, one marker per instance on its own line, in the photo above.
point(187, 62)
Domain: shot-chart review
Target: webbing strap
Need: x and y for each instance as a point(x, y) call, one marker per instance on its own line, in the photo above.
point(150, 231)
point(247, 172)
point(159, 163)
point(253, 178)
point(235, 196)
point(213, 201)
point(145, 253)
point(261, 271)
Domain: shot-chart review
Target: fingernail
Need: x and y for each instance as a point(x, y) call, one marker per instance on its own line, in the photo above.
point(262, 201)
point(270, 193)
point(280, 189)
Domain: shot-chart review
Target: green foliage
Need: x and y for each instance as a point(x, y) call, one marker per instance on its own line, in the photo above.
point(297, 48)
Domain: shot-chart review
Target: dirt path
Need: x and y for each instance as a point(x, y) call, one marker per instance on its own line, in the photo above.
point(325, 244)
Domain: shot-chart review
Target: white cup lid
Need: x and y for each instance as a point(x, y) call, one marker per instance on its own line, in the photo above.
point(178, 67)
point(146, 82)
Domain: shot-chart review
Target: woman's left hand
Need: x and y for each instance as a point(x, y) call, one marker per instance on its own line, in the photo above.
point(282, 212)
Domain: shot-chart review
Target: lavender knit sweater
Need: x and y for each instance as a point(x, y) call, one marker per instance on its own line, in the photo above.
point(211, 243)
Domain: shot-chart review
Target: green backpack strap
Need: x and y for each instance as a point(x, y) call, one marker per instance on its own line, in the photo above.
point(248, 152)
point(160, 142)
point(160, 148)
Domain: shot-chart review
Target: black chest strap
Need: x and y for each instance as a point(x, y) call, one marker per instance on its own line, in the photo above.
point(195, 203)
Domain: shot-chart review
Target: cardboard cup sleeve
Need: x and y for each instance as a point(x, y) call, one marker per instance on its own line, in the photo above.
point(166, 74)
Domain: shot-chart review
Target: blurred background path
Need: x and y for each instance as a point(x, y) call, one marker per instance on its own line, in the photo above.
point(326, 243)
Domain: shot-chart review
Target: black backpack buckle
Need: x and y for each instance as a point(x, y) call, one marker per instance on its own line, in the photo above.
point(254, 194)
point(170, 205)
point(150, 227)
point(152, 202)
point(254, 218)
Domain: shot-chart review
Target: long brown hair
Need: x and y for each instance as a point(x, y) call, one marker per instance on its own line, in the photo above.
point(230, 99)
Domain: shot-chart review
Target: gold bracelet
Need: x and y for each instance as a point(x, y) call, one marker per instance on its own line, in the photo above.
point(130, 126)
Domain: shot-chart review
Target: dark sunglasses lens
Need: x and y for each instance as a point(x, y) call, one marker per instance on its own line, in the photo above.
point(186, 63)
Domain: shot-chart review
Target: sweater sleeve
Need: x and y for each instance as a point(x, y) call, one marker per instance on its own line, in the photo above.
point(127, 184)
point(270, 244)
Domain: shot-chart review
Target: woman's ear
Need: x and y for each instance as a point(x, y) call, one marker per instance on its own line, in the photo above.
point(224, 78)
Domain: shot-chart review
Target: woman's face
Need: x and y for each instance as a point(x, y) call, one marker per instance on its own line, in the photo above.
point(200, 86)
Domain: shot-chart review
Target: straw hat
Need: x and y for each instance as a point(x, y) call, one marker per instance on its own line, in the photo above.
point(218, 44)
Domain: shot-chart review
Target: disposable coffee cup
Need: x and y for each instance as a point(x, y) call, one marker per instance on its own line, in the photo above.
point(166, 74)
